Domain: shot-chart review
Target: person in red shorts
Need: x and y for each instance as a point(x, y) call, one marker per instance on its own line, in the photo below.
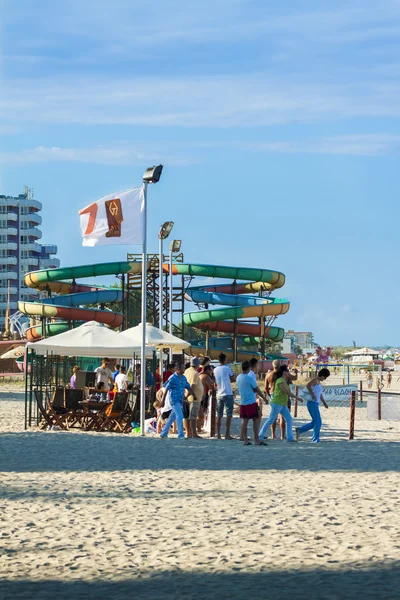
point(248, 405)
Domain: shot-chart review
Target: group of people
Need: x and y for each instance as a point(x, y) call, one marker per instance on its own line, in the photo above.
point(183, 400)
point(107, 382)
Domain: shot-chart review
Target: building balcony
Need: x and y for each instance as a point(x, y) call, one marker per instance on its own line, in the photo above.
point(9, 216)
point(30, 262)
point(31, 247)
point(8, 246)
point(9, 260)
point(32, 204)
point(6, 275)
point(33, 218)
point(4, 289)
point(13, 305)
point(50, 248)
point(8, 231)
point(32, 232)
point(49, 263)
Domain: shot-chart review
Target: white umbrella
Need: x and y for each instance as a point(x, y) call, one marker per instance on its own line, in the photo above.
point(90, 339)
point(14, 353)
point(155, 337)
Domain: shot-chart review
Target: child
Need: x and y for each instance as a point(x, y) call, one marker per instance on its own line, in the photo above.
point(315, 389)
point(248, 405)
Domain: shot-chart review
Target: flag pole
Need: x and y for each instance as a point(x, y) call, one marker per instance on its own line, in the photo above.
point(144, 316)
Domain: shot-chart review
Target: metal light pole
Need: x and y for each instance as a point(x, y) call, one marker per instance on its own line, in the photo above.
point(152, 175)
point(175, 246)
point(165, 230)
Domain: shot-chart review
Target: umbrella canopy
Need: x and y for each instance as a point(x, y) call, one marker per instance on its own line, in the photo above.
point(14, 353)
point(90, 339)
point(155, 337)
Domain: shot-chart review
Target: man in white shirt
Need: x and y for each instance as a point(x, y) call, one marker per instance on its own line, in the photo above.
point(121, 379)
point(224, 377)
point(104, 374)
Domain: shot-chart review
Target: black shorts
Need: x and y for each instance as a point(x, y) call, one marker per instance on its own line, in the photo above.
point(204, 401)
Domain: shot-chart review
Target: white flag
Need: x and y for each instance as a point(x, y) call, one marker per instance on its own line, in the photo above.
point(114, 219)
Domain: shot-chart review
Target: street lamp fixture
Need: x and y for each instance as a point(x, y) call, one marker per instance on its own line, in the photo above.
point(175, 245)
point(151, 175)
point(165, 230)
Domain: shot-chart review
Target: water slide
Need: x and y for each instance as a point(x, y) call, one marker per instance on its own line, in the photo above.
point(67, 306)
point(238, 305)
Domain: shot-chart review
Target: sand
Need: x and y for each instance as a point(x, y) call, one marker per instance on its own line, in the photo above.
point(97, 515)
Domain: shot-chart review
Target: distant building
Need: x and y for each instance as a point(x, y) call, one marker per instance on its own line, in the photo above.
point(19, 250)
point(304, 339)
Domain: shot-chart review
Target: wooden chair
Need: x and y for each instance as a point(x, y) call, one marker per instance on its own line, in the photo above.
point(117, 414)
point(75, 415)
point(50, 417)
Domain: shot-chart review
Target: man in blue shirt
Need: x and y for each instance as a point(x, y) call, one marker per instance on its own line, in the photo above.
point(116, 372)
point(175, 388)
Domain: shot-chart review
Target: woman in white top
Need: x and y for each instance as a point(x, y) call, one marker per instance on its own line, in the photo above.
point(121, 380)
point(314, 387)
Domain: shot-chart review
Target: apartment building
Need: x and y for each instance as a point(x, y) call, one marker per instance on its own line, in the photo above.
point(304, 339)
point(20, 250)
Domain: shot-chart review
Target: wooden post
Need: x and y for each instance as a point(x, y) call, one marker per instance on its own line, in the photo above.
point(352, 414)
point(379, 404)
point(213, 408)
point(207, 342)
point(296, 400)
point(361, 391)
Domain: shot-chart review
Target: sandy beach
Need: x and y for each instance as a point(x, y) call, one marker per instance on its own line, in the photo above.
point(97, 515)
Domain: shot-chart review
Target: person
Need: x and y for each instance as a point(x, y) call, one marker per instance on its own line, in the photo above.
point(259, 399)
point(224, 376)
point(193, 377)
point(279, 401)
point(248, 405)
point(389, 379)
point(121, 380)
point(100, 394)
point(72, 381)
point(104, 373)
point(175, 388)
point(269, 390)
point(116, 372)
point(369, 379)
point(314, 387)
point(208, 381)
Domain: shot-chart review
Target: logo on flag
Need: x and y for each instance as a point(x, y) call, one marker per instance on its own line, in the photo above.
point(114, 219)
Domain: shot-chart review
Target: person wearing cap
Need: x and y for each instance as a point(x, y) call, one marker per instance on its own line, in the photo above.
point(193, 377)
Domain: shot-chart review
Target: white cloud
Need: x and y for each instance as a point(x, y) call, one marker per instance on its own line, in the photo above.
point(191, 153)
point(226, 101)
point(105, 155)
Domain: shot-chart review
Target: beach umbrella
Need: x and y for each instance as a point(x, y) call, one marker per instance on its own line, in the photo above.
point(155, 337)
point(90, 339)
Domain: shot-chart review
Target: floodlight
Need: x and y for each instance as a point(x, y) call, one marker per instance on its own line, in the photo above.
point(165, 230)
point(153, 174)
point(175, 246)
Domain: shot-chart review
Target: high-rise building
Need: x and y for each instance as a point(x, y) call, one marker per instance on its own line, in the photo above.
point(20, 251)
point(304, 339)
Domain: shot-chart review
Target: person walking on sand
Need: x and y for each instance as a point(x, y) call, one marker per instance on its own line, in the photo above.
point(259, 398)
point(249, 409)
point(207, 379)
point(224, 376)
point(175, 388)
point(314, 387)
point(269, 385)
point(279, 402)
point(389, 380)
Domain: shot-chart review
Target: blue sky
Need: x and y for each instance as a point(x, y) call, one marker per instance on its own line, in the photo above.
point(278, 125)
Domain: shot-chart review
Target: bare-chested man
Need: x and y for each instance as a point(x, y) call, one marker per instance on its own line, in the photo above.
point(269, 388)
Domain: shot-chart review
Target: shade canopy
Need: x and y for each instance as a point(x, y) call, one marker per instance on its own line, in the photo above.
point(14, 352)
point(155, 337)
point(90, 339)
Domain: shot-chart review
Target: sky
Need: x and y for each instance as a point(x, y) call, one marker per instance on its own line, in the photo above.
point(278, 125)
